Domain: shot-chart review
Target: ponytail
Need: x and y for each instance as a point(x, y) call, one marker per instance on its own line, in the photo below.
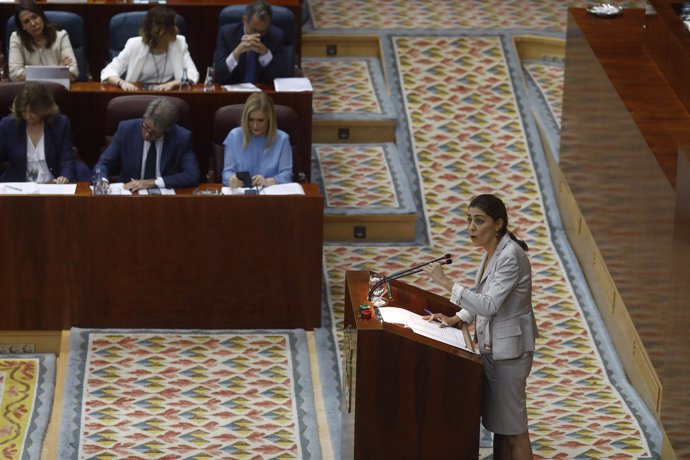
point(522, 243)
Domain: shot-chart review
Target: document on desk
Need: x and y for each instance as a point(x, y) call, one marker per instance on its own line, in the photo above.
point(32, 188)
point(450, 335)
point(292, 188)
point(297, 84)
point(241, 87)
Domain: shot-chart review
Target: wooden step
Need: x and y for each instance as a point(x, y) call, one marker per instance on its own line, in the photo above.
point(370, 228)
point(353, 131)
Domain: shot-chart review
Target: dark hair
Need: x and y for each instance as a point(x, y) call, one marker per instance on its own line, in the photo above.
point(49, 30)
point(494, 207)
point(158, 26)
point(38, 99)
point(259, 8)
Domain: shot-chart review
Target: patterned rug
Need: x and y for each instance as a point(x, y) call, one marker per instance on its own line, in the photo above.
point(468, 129)
point(380, 185)
point(27, 385)
point(142, 394)
point(461, 14)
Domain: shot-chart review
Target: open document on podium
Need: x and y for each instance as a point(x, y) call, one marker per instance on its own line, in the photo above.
point(450, 335)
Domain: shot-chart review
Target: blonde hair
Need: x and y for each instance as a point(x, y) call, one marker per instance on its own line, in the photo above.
point(263, 102)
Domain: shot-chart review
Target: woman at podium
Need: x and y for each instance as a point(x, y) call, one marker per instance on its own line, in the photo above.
point(500, 303)
point(257, 147)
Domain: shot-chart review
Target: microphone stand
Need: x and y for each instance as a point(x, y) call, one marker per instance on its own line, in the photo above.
point(410, 271)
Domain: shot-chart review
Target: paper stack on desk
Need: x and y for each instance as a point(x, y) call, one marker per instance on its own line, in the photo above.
point(450, 335)
point(297, 84)
point(32, 188)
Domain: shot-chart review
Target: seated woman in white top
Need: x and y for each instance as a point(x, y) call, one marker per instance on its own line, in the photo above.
point(37, 42)
point(158, 56)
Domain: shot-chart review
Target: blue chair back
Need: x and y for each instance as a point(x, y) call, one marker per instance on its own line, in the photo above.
point(70, 22)
point(124, 26)
point(283, 18)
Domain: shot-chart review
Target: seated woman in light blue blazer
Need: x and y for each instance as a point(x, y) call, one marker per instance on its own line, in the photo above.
point(159, 56)
point(258, 146)
point(501, 305)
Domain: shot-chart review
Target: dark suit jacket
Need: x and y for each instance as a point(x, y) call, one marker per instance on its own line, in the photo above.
point(57, 141)
point(178, 165)
point(229, 36)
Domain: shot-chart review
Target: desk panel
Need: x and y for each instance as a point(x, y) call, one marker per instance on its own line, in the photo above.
point(184, 261)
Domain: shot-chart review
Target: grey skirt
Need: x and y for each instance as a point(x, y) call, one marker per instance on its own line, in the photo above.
point(504, 400)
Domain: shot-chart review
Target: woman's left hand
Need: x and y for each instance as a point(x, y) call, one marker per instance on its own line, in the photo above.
point(435, 271)
point(66, 61)
point(261, 181)
point(166, 86)
point(61, 180)
point(445, 321)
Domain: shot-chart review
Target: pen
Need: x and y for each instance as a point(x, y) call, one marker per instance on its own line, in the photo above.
point(429, 312)
point(13, 188)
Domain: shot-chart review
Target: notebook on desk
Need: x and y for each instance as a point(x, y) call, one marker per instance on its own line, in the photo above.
point(54, 73)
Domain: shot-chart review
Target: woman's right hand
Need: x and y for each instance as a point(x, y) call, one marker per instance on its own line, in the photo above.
point(234, 182)
point(127, 86)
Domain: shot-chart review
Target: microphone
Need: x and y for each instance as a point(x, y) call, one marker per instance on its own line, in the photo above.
point(445, 260)
point(438, 259)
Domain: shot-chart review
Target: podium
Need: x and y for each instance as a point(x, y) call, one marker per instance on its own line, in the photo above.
point(406, 396)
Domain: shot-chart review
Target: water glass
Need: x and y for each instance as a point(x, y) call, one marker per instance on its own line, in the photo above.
point(378, 297)
point(209, 81)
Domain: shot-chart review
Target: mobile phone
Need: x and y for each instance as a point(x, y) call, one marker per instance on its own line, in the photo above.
point(245, 177)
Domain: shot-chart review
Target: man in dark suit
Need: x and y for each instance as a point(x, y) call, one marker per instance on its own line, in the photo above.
point(250, 50)
point(152, 151)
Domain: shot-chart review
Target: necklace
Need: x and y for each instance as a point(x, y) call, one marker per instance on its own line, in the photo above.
point(159, 73)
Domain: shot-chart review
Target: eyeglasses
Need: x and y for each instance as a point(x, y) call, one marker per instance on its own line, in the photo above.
point(151, 132)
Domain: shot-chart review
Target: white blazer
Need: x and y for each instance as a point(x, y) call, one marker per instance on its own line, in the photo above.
point(501, 303)
point(131, 60)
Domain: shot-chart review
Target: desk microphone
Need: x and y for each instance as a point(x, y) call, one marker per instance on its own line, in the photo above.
point(445, 260)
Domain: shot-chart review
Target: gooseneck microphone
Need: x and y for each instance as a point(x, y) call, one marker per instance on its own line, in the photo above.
point(445, 260)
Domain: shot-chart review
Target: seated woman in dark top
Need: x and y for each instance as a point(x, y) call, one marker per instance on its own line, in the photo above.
point(35, 139)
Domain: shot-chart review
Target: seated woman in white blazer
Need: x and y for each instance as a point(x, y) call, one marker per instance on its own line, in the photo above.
point(501, 305)
point(158, 56)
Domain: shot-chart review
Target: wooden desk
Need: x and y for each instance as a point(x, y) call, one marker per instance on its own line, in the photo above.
point(89, 100)
point(184, 261)
point(200, 16)
point(622, 126)
point(404, 395)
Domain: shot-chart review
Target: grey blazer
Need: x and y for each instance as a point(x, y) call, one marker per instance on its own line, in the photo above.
point(501, 303)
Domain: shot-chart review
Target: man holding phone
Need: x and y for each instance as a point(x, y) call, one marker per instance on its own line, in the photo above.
point(246, 52)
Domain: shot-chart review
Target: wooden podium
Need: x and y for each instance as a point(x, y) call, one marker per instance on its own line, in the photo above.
point(406, 396)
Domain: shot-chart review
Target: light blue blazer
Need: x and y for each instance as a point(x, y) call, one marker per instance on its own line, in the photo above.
point(501, 303)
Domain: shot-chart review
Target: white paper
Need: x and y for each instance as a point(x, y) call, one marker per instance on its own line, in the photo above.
point(450, 335)
point(32, 188)
point(291, 188)
point(241, 87)
point(18, 188)
point(292, 84)
point(57, 189)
